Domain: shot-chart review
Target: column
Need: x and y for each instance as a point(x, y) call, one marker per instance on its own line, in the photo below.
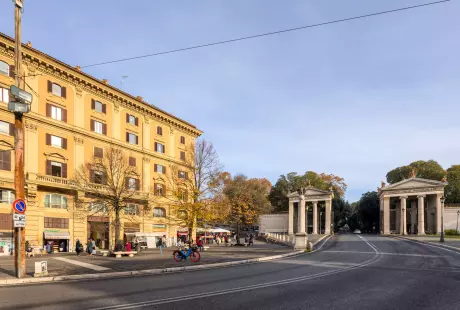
point(315, 217)
point(413, 215)
point(291, 218)
point(386, 215)
point(302, 215)
point(327, 222)
point(438, 213)
point(403, 215)
point(421, 214)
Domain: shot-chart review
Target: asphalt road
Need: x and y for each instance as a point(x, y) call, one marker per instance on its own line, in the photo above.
point(348, 272)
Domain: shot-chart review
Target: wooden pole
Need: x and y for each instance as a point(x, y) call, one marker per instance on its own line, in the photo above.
point(19, 244)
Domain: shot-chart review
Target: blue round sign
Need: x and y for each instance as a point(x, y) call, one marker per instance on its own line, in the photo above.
point(19, 205)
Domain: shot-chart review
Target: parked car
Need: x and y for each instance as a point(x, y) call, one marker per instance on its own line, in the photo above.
point(357, 231)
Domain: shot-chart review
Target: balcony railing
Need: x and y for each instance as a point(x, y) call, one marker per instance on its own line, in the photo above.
point(52, 179)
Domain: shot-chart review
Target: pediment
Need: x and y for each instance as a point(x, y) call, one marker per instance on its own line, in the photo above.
point(309, 191)
point(414, 183)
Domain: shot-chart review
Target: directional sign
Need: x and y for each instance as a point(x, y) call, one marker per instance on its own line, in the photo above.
point(18, 107)
point(19, 217)
point(19, 206)
point(21, 94)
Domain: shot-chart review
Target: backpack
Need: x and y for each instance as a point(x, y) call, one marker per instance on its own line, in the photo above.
point(159, 243)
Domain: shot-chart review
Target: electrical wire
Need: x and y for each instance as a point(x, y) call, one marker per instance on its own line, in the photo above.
point(266, 34)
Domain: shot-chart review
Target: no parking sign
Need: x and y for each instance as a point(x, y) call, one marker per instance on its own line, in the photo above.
point(19, 206)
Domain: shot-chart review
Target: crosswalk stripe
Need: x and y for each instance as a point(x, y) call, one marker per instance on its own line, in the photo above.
point(385, 253)
point(82, 264)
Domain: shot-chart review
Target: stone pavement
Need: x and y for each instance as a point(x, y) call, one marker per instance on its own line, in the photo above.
point(71, 264)
point(451, 242)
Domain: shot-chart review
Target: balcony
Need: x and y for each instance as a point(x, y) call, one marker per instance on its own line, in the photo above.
point(52, 181)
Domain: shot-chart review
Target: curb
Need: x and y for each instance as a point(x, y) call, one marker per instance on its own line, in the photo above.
point(443, 246)
point(148, 271)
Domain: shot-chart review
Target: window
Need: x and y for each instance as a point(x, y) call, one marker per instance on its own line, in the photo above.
point(159, 131)
point(132, 161)
point(160, 169)
point(97, 207)
point(182, 174)
point(56, 169)
point(99, 177)
point(54, 222)
point(98, 152)
point(160, 148)
point(6, 128)
point(98, 106)
point(4, 95)
point(159, 212)
point(56, 141)
point(183, 194)
point(159, 189)
point(182, 139)
point(6, 196)
point(56, 113)
point(131, 138)
point(55, 201)
point(132, 183)
point(4, 68)
point(5, 160)
point(98, 127)
point(131, 119)
point(182, 155)
point(131, 209)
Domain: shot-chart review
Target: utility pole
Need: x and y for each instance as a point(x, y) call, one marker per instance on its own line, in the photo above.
point(19, 232)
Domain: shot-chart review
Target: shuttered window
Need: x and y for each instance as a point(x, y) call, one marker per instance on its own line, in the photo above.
point(159, 212)
point(159, 130)
point(160, 148)
point(160, 168)
point(98, 152)
point(4, 95)
point(5, 160)
point(132, 138)
point(182, 139)
point(6, 221)
point(57, 89)
point(56, 113)
point(56, 141)
point(131, 209)
point(56, 169)
point(131, 119)
point(159, 189)
point(132, 161)
point(6, 128)
point(56, 222)
point(98, 106)
point(182, 156)
point(132, 184)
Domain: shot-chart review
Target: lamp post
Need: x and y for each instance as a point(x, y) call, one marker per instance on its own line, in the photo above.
point(442, 219)
point(458, 213)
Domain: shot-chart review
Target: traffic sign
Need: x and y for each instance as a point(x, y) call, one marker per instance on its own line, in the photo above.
point(21, 94)
point(19, 224)
point(19, 206)
point(19, 217)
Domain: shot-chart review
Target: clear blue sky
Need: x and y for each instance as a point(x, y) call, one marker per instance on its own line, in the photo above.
point(354, 99)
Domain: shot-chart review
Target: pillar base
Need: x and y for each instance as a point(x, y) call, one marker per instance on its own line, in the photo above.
point(300, 241)
point(421, 234)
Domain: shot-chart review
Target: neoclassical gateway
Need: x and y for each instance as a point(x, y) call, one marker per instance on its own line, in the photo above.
point(299, 204)
point(411, 206)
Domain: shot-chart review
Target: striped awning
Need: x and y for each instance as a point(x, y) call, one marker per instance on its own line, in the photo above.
point(56, 235)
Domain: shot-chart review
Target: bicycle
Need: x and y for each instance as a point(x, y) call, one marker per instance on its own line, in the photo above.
point(192, 252)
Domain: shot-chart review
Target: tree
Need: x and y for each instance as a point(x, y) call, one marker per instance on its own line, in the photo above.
point(293, 182)
point(247, 199)
point(423, 169)
point(342, 212)
point(368, 212)
point(109, 182)
point(453, 187)
point(192, 188)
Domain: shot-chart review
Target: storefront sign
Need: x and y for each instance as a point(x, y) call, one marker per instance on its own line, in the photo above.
point(159, 226)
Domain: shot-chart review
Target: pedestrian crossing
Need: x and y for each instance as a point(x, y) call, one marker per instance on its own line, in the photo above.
point(82, 264)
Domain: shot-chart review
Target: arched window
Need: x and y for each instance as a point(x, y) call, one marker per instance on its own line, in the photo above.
point(56, 90)
point(4, 68)
point(55, 201)
point(182, 139)
point(159, 212)
point(159, 131)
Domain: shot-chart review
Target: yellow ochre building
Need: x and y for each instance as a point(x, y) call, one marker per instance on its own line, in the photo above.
point(73, 118)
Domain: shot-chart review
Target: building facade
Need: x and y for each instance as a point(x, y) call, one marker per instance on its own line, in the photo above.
point(74, 117)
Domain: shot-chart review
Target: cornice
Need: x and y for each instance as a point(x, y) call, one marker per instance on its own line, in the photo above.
point(38, 61)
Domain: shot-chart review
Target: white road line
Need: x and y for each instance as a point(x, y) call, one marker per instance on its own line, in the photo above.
point(427, 244)
point(82, 264)
point(386, 253)
point(238, 289)
point(370, 244)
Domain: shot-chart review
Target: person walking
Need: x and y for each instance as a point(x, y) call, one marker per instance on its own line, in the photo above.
point(90, 247)
point(78, 247)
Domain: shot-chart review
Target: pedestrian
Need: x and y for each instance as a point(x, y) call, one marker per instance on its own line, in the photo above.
point(48, 248)
point(246, 241)
point(226, 240)
point(251, 240)
point(89, 247)
point(128, 247)
point(218, 240)
point(78, 247)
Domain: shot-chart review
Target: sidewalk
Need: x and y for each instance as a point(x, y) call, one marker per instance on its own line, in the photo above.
point(71, 264)
point(453, 243)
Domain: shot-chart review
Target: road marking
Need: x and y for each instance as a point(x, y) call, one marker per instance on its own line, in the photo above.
point(82, 264)
point(238, 289)
point(427, 244)
point(370, 244)
point(386, 253)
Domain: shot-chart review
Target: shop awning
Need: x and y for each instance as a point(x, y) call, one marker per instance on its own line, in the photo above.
point(56, 235)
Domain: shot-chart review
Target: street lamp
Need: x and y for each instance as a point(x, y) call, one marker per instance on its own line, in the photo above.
point(442, 219)
point(458, 213)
